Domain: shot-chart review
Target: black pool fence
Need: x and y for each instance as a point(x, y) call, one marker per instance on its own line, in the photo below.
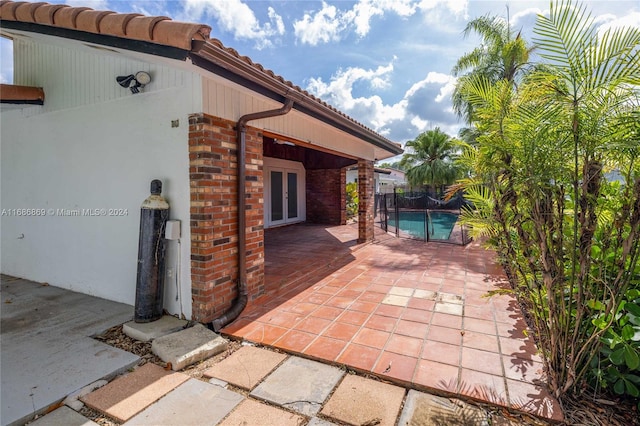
point(419, 215)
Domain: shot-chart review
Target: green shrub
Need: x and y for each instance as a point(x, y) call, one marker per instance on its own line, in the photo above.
point(352, 199)
point(617, 365)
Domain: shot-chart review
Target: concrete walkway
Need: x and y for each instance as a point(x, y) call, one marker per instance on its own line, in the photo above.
point(47, 352)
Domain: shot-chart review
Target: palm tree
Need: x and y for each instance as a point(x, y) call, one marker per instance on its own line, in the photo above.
point(430, 160)
point(569, 239)
point(501, 56)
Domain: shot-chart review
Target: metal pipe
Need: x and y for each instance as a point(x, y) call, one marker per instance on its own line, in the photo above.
point(243, 294)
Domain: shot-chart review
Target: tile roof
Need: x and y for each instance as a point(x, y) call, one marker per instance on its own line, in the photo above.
point(11, 94)
point(155, 29)
point(164, 31)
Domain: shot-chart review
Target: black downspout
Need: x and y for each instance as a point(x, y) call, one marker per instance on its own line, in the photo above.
point(241, 301)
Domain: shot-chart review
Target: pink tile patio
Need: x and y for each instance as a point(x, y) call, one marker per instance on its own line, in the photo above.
point(414, 313)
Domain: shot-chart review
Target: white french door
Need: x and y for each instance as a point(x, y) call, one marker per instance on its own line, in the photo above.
point(284, 192)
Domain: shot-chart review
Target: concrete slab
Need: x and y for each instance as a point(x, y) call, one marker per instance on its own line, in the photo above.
point(128, 395)
point(147, 331)
point(430, 410)
point(192, 403)
point(188, 346)
point(251, 412)
point(46, 349)
point(246, 367)
point(63, 416)
point(299, 384)
point(359, 401)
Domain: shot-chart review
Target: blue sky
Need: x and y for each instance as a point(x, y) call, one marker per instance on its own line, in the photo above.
point(386, 63)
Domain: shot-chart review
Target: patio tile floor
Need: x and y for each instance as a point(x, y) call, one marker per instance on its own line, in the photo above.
point(413, 313)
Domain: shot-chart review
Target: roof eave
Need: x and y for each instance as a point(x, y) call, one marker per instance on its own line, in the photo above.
point(223, 63)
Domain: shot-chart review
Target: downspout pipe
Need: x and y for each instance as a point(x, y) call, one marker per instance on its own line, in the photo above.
point(241, 129)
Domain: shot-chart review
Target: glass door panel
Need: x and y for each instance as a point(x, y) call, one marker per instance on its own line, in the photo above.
point(292, 195)
point(277, 196)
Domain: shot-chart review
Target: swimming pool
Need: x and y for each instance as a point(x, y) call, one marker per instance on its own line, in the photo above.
point(413, 223)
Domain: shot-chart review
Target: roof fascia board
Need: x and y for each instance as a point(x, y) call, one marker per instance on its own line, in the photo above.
point(101, 39)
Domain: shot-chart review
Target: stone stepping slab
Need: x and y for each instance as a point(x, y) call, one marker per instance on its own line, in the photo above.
point(299, 384)
point(192, 403)
point(246, 367)
point(127, 395)
point(63, 416)
point(359, 401)
point(188, 346)
point(251, 412)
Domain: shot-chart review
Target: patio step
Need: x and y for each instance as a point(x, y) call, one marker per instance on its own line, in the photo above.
point(188, 346)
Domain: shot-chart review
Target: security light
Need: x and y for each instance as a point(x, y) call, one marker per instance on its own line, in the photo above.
point(134, 82)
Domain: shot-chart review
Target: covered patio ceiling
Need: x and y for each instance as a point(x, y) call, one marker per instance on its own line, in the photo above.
point(312, 159)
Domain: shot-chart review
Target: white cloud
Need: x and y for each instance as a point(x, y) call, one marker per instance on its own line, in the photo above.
point(321, 27)
point(237, 18)
point(457, 7)
point(527, 17)
point(93, 4)
point(609, 21)
point(6, 61)
point(425, 105)
point(329, 24)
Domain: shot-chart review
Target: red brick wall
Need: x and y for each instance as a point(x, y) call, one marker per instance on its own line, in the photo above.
point(214, 215)
point(366, 201)
point(326, 196)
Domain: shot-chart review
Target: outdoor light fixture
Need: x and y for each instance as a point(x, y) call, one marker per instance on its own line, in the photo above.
point(134, 82)
point(281, 142)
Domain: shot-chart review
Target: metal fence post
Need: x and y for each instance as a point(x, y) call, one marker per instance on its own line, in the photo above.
point(395, 206)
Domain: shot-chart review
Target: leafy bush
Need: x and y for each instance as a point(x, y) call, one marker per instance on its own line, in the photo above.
point(617, 366)
point(352, 199)
point(568, 237)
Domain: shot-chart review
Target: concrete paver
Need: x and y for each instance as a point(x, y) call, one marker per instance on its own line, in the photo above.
point(147, 331)
point(246, 367)
point(358, 401)
point(251, 412)
point(429, 410)
point(63, 416)
point(128, 395)
point(299, 384)
point(188, 346)
point(192, 403)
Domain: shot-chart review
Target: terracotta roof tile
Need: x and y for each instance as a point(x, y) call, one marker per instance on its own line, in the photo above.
point(155, 29)
point(142, 27)
point(90, 20)
point(164, 31)
point(44, 14)
point(66, 17)
point(25, 11)
point(116, 24)
point(13, 94)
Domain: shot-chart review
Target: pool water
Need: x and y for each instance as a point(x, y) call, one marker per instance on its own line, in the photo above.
point(413, 223)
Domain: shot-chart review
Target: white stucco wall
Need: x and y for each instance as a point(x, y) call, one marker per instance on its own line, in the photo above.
point(100, 155)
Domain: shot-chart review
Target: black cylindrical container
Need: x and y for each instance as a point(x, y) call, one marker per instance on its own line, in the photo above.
point(151, 252)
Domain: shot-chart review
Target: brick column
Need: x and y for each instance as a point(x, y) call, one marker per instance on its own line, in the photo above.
point(214, 215)
point(366, 201)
